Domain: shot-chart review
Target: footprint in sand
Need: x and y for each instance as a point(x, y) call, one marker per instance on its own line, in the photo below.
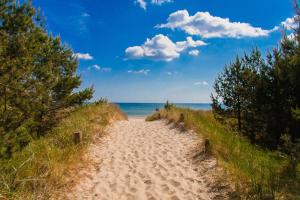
point(144, 161)
point(175, 183)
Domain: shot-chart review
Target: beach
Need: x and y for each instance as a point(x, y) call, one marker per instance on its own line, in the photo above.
point(149, 100)
point(147, 160)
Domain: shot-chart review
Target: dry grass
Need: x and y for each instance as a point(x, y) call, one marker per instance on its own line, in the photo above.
point(40, 170)
point(256, 173)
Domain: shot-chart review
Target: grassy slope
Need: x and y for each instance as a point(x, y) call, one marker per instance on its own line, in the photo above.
point(256, 173)
point(41, 168)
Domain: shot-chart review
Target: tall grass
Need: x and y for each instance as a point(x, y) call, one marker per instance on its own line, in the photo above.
point(39, 171)
point(256, 173)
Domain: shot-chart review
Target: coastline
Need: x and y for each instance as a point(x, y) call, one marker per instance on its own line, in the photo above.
point(147, 109)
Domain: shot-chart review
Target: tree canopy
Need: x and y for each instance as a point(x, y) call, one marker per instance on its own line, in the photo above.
point(37, 76)
point(262, 95)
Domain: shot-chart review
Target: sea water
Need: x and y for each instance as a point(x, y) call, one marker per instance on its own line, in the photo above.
point(144, 109)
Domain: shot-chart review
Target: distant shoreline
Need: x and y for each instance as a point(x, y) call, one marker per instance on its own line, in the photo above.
point(177, 103)
point(145, 109)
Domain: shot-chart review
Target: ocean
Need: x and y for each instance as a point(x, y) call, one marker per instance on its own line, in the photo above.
point(144, 109)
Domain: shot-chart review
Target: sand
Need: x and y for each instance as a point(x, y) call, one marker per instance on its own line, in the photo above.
point(147, 160)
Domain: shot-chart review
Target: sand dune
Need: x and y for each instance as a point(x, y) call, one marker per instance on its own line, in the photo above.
point(146, 160)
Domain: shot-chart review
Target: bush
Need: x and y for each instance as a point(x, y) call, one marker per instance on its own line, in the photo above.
point(168, 106)
point(102, 100)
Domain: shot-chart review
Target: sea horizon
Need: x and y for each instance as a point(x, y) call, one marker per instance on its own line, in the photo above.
point(145, 109)
point(161, 102)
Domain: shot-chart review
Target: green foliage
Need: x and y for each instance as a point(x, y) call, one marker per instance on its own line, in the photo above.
point(153, 117)
point(262, 95)
point(168, 105)
point(245, 91)
point(37, 77)
point(43, 168)
point(101, 100)
point(256, 173)
point(292, 149)
point(296, 114)
point(260, 98)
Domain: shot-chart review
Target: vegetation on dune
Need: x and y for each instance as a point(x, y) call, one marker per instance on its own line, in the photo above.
point(260, 99)
point(41, 106)
point(256, 173)
point(253, 129)
point(254, 126)
point(41, 169)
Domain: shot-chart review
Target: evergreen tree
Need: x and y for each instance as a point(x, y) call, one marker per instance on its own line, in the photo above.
point(37, 76)
point(228, 87)
point(263, 95)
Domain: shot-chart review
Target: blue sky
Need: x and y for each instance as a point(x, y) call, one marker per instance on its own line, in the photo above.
point(189, 42)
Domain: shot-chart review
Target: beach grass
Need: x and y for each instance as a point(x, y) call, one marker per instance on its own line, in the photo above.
point(41, 170)
point(256, 173)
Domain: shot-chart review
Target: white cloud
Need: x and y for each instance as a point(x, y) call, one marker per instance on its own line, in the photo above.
point(106, 69)
point(160, 2)
point(189, 43)
point(142, 71)
point(290, 23)
point(141, 3)
point(201, 83)
point(194, 52)
point(171, 73)
point(207, 26)
point(86, 14)
point(97, 67)
point(160, 47)
point(83, 56)
point(291, 36)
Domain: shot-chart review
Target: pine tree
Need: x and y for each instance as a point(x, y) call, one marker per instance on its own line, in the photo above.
point(228, 87)
point(37, 76)
point(263, 95)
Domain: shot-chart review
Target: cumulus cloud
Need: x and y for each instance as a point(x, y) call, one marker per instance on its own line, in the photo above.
point(83, 56)
point(201, 83)
point(194, 52)
point(142, 71)
point(159, 2)
point(97, 67)
point(290, 23)
point(161, 47)
point(141, 3)
point(207, 26)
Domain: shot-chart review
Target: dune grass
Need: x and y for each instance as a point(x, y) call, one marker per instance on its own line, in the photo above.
point(256, 173)
point(39, 171)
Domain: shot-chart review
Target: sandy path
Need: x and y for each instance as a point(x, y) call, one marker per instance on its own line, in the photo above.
point(145, 160)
